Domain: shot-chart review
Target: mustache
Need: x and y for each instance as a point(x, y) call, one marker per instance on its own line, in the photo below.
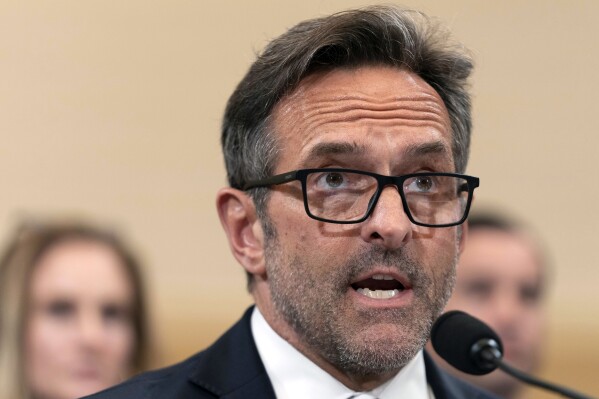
point(397, 259)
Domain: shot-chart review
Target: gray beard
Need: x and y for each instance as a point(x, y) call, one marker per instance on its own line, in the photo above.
point(313, 307)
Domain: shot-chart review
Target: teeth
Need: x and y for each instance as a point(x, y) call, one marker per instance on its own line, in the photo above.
point(382, 277)
point(378, 294)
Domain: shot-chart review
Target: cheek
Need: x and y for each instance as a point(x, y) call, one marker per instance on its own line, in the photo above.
point(437, 250)
point(459, 301)
point(45, 344)
point(320, 253)
point(323, 243)
point(533, 324)
point(47, 356)
point(120, 346)
point(295, 230)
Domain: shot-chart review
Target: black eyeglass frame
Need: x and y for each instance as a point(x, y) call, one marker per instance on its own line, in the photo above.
point(382, 181)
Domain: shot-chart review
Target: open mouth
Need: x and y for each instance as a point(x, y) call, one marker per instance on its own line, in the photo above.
point(379, 286)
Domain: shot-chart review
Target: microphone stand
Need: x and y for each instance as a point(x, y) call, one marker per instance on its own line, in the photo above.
point(492, 355)
point(477, 350)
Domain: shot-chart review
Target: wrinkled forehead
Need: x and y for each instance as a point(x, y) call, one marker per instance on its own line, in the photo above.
point(368, 99)
point(334, 84)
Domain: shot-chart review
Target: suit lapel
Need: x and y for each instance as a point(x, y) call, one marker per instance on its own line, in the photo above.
point(231, 368)
point(446, 386)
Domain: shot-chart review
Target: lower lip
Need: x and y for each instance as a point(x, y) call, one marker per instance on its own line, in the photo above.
point(401, 299)
point(87, 375)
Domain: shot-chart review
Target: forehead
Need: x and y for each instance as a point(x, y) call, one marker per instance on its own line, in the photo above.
point(495, 252)
point(83, 269)
point(368, 109)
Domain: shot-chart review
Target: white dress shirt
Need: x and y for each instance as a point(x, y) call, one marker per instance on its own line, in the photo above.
point(294, 376)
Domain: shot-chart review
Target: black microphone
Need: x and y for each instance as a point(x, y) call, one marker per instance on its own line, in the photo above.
point(473, 347)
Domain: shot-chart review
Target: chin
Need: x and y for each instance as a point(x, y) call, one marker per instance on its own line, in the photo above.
point(387, 345)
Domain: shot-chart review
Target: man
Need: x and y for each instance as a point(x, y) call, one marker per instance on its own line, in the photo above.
point(348, 266)
point(501, 280)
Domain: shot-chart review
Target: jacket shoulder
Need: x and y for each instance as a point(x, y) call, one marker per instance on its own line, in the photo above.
point(446, 386)
point(231, 366)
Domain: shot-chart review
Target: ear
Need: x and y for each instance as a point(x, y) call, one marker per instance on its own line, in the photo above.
point(463, 236)
point(238, 217)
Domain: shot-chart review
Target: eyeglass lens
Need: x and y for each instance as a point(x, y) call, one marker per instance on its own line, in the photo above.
point(347, 196)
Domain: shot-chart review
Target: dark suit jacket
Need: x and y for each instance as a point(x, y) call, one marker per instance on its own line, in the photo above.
point(231, 369)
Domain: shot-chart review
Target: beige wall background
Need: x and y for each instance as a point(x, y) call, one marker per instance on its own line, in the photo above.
point(111, 110)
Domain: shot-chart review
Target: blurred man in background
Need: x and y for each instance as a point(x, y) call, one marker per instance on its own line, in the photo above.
point(501, 280)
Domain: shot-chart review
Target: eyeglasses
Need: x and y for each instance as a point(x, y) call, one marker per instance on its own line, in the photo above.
point(348, 196)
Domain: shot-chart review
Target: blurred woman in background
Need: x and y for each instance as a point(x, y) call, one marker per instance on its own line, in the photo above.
point(73, 317)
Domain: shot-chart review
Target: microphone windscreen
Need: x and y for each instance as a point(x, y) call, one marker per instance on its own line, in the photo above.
point(453, 336)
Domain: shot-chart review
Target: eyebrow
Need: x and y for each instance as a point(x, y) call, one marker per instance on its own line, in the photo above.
point(343, 148)
point(435, 147)
point(335, 148)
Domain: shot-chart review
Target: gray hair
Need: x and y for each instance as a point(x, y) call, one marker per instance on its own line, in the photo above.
point(377, 35)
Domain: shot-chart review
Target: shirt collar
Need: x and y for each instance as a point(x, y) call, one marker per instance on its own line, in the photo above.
point(294, 376)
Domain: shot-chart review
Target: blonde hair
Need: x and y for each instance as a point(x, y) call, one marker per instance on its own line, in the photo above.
point(20, 257)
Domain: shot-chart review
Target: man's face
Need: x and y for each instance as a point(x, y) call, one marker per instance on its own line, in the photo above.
point(381, 120)
point(500, 281)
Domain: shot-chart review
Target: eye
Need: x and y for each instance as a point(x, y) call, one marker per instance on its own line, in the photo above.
point(530, 294)
point(424, 183)
point(60, 309)
point(334, 179)
point(420, 184)
point(340, 182)
point(115, 313)
point(479, 289)
point(330, 181)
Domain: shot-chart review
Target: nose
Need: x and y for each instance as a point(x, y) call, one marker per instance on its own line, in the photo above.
point(91, 331)
point(388, 224)
point(507, 312)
